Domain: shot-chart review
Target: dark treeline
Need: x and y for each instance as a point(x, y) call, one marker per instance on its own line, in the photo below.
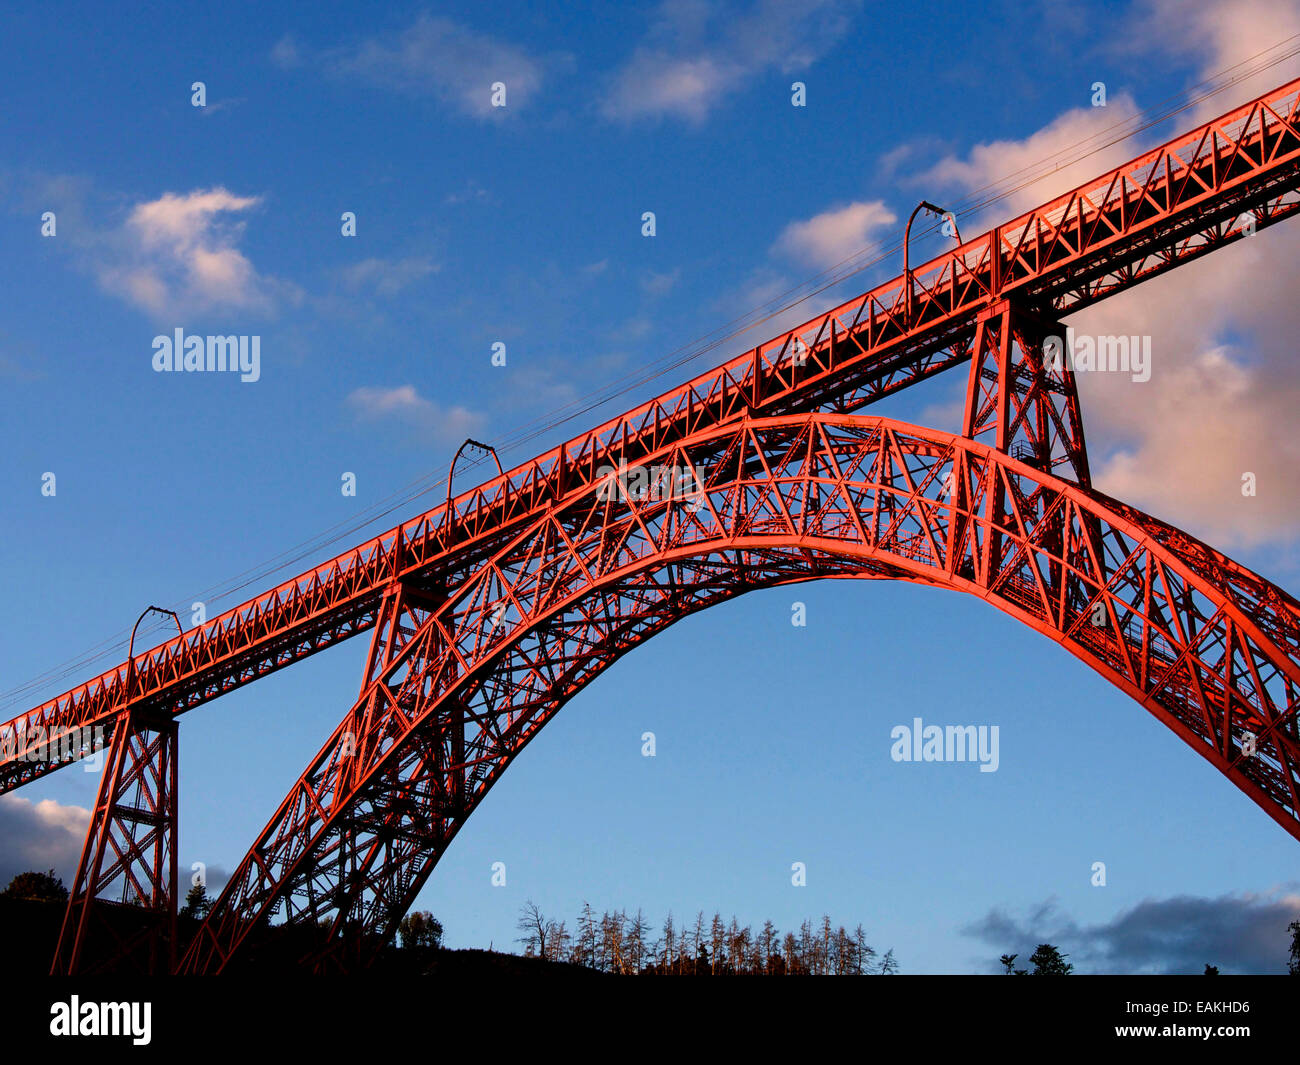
point(626, 944)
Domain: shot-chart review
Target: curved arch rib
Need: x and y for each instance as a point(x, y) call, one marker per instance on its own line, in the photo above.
point(457, 686)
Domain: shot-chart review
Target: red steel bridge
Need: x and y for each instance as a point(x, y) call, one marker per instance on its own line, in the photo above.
point(486, 615)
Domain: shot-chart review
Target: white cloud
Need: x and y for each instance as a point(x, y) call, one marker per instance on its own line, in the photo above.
point(285, 54)
point(177, 254)
point(656, 284)
point(760, 306)
point(1224, 382)
point(439, 57)
point(39, 836)
point(1223, 393)
point(404, 405)
point(1046, 162)
point(834, 235)
point(1222, 34)
point(387, 277)
point(656, 84)
point(696, 55)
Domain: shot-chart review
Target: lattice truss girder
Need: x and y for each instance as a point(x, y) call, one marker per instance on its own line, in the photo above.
point(1203, 189)
point(429, 732)
point(1021, 396)
point(1208, 647)
point(128, 862)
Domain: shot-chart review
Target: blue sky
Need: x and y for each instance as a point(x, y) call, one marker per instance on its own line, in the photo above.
point(522, 225)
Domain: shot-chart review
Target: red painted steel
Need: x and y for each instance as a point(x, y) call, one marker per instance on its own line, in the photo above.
point(1166, 207)
point(462, 682)
point(122, 907)
point(1203, 643)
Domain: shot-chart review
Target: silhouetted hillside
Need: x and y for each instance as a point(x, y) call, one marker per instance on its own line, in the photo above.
point(30, 928)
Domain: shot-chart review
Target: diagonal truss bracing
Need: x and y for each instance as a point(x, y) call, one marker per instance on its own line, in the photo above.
point(1204, 189)
point(779, 500)
point(488, 613)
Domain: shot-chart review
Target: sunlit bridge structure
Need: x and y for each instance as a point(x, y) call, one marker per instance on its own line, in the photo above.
point(487, 614)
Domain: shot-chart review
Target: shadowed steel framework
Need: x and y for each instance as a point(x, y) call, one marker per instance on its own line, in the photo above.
point(488, 613)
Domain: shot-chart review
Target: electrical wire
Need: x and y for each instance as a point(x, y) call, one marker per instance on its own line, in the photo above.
point(833, 276)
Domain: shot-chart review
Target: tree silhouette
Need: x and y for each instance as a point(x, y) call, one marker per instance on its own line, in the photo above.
point(44, 887)
point(420, 930)
point(1048, 961)
point(197, 903)
point(541, 937)
point(621, 943)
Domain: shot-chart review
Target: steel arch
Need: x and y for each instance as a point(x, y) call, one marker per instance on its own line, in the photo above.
point(1200, 191)
point(459, 683)
point(991, 301)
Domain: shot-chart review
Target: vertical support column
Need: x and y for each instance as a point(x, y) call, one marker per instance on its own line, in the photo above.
point(1021, 396)
point(378, 847)
point(349, 943)
point(345, 946)
point(1021, 400)
point(121, 914)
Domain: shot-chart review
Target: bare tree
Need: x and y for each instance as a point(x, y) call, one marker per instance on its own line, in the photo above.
point(791, 948)
point(535, 929)
point(636, 947)
point(863, 953)
point(558, 941)
point(767, 940)
point(584, 951)
point(611, 935)
point(617, 943)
